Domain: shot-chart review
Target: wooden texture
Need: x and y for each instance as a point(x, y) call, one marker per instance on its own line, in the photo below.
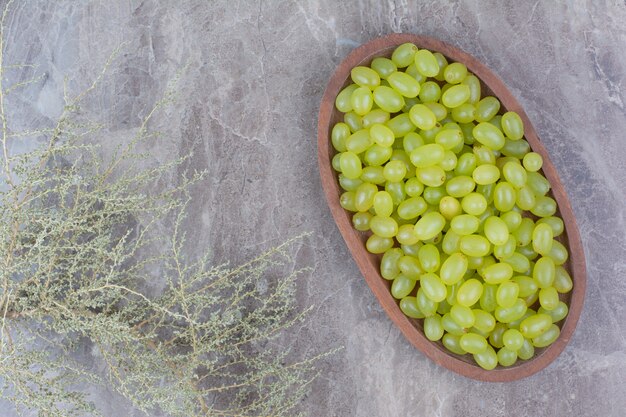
point(369, 264)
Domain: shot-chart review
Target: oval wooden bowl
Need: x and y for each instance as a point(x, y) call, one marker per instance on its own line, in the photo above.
point(369, 264)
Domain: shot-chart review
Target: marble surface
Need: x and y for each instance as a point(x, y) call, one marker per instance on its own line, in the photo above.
point(247, 108)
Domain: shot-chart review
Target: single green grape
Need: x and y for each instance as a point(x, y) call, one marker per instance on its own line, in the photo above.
point(489, 135)
point(548, 337)
point(460, 186)
point(384, 66)
point(432, 176)
point(364, 196)
point(487, 108)
point(409, 265)
point(507, 294)
point(507, 357)
point(455, 73)
point(353, 120)
point(449, 207)
point(365, 77)
point(512, 126)
point(562, 281)
point(496, 230)
point(532, 161)
point(433, 329)
point(455, 96)
point(453, 343)
point(422, 117)
point(348, 184)
point(470, 292)
point(339, 134)
point(429, 225)
point(538, 183)
point(377, 155)
point(474, 204)
point(384, 226)
point(395, 171)
point(402, 286)
point(426, 63)
point(342, 102)
point(429, 258)
point(430, 92)
point(473, 343)
point(512, 339)
point(404, 84)
point(401, 125)
point(439, 110)
point(373, 175)
point(350, 165)
point(404, 55)
point(373, 117)
point(474, 84)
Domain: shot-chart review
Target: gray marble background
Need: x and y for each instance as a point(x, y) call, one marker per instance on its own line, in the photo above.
point(247, 108)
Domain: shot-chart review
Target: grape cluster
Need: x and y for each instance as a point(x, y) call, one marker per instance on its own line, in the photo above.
point(456, 202)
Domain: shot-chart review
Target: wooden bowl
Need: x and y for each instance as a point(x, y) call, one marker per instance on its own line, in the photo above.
point(369, 264)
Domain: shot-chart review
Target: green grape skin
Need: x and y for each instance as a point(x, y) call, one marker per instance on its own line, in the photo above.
point(400, 155)
point(381, 135)
point(433, 288)
point(376, 244)
point(342, 102)
point(401, 125)
point(507, 294)
point(427, 306)
point(518, 262)
point(384, 226)
point(406, 235)
point(470, 292)
point(535, 325)
point(555, 223)
point(460, 186)
point(429, 135)
point(362, 100)
point(389, 263)
point(402, 286)
point(432, 176)
point(339, 134)
point(527, 285)
point(429, 257)
point(359, 141)
point(558, 253)
point(484, 321)
point(487, 359)
point(388, 99)
point(336, 162)
point(346, 200)
point(545, 207)
point(426, 63)
point(455, 73)
point(443, 63)
point(361, 221)
point(496, 230)
point(451, 243)
point(512, 339)
point(383, 204)
point(532, 162)
point(427, 155)
point(364, 196)
point(453, 269)
point(394, 171)
point(365, 77)
point(462, 315)
point(384, 66)
point(497, 273)
point(412, 141)
point(411, 250)
point(433, 196)
point(509, 314)
point(455, 96)
point(548, 337)
point(548, 298)
point(524, 232)
point(527, 350)
point(513, 219)
point(408, 305)
point(466, 165)
point(464, 224)
point(410, 266)
point(489, 135)
point(483, 154)
point(433, 328)
point(465, 113)
point(525, 198)
point(413, 72)
point(515, 148)
point(373, 175)
point(404, 55)
point(443, 307)
point(475, 245)
point(562, 281)
point(474, 85)
point(506, 250)
point(557, 314)
point(349, 184)
point(486, 174)
point(514, 174)
point(542, 239)
point(353, 120)
point(376, 116)
point(396, 190)
point(451, 326)
point(449, 207)
point(487, 108)
point(404, 84)
point(453, 343)
point(422, 117)
point(507, 357)
point(473, 343)
point(544, 272)
point(474, 204)
point(377, 155)
point(449, 138)
point(512, 125)
point(412, 207)
point(496, 336)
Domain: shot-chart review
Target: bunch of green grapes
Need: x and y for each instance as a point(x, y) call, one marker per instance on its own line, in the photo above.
point(455, 201)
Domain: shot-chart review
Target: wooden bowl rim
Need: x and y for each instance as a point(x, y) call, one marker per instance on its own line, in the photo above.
point(364, 54)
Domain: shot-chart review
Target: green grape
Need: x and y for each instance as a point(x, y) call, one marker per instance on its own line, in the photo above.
point(422, 117)
point(527, 286)
point(381, 135)
point(406, 235)
point(505, 251)
point(474, 245)
point(512, 339)
point(486, 262)
point(507, 357)
point(523, 234)
point(365, 77)
point(455, 96)
point(512, 125)
point(548, 337)
point(388, 99)
point(338, 136)
point(336, 162)
point(383, 204)
point(504, 196)
point(555, 223)
point(465, 165)
point(404, 55)
point(427, 155)
point(515, 148)
point(376, 116)
point(465, 113)
point(516, 323)
point(443, 307)
point(527, 350)
point(455, 73)
point(473, 343)
point(507, 293)
point(353, 120)
point(443, 63)
point(402, 286)
point(483, 321)
point(496, 230)
point(433, 328)
point(432, 176)
point(412, 141)
point(389, 263)
point(410, 266)
point(535, 325)
point(433, 288)
point(404, 84)
point(468, 136)
point(362, 100)
point(484, 155)
point(487, 108)
point(496, 121)
point(342, 102)
point(438, 110)
point(426, 63)
point(452, 343)
point(394, 171)
point(396, 190)
point(361, 221)
point(527, 251)
point(545, 207)
point(558, 313)
point(486, 174)
point(497, 273)
point(496, 336)
point(412, 71)
point(373, 175)
point(412, 207)
point(470, 292)
point(462, 315)
point(488, 135)
point(451, 243)
point(464, 224)
point(401, 125)
point(384, 226)
point(533, 161)
point(449, 207)
point(487, 359)
point(558, 253)
point(518, 262)
point(429, 258)
point(501, 161)
point(509, 314)
point(460, 186)
point(453, 269)
point(451, 326)
point(515, 174)
point(376, 244)
point(359, 141)
point(364, 196)
point(474, 85)
point(544, 272)
point(542, 239)
point(430, 92)
point(377, 155)
point(525, 198)
point(562, 281)
point(408, 305)
point(548, 298)
point(429, 135)
point(513, 219)
point(346, 200)
point(412, 250)
point(427, 306)
point(349, 184)
point(385, 66)
point(474, 204)
point(429, 225)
